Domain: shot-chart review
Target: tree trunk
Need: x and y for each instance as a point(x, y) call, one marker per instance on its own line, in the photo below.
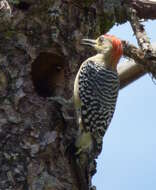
point(40, 53)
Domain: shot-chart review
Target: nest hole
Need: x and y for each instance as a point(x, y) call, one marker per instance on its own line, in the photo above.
point(48, 74)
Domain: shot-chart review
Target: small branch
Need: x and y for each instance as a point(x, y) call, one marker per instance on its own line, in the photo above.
point(129, 72)
point(145, 55)
point(134, 53)
point(139, 31)
point(145, 59)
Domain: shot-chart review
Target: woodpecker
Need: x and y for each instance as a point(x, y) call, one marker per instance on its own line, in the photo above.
point(96, 89)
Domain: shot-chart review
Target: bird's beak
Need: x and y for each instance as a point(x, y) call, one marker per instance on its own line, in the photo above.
point(89, 42)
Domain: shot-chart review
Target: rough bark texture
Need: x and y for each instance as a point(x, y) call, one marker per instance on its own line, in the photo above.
point(145, 8)
point(40, 53)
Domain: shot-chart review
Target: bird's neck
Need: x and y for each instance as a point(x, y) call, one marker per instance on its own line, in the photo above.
point(104, 60)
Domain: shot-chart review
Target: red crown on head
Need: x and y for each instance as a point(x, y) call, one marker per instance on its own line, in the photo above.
point(117, 46)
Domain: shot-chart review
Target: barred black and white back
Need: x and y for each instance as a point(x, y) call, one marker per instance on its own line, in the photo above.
point(98, 91)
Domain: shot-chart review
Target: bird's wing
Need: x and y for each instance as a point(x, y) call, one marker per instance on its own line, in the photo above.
point(98, 94)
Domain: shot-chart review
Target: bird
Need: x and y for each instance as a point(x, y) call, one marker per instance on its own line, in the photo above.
point(96, 88)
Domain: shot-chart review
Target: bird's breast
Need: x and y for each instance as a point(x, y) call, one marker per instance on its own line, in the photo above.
point(98, 83)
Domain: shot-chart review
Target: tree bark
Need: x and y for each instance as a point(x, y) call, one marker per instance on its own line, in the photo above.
point(145, 8)
point(40, 53)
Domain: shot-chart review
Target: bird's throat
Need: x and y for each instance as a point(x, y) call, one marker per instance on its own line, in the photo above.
point(105, 60)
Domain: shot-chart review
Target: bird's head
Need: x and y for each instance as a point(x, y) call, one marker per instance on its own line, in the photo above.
point(108, 45)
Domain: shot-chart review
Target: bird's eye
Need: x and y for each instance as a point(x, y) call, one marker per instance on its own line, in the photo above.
point(101, 39)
